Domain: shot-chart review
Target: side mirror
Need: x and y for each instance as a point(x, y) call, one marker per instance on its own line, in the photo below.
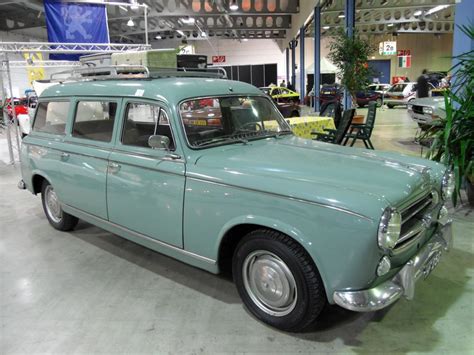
point(159, 142)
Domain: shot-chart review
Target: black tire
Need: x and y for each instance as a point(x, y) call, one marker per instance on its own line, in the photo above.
point(390, 106)
point(295, 114)
point(309, 291)
point(66, 222)
point(379, 102)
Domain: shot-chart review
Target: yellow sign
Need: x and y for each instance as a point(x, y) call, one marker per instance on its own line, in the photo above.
point(35, 71)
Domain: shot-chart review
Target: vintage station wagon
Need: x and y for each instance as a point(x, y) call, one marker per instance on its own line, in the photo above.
point(207, 171)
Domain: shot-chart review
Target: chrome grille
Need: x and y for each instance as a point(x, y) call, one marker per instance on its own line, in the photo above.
point(413, 216)
point(417, 109)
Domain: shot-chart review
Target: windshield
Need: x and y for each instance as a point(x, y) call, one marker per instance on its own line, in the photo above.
point(224, 120)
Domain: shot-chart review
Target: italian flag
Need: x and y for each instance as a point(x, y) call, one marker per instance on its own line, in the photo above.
point(404, 61)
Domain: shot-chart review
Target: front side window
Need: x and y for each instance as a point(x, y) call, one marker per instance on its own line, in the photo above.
point(224, 120)
point(143, 121)
point(94, 120)
point(51, 117)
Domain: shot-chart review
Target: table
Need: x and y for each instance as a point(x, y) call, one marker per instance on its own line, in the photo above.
point(303, 126)
point(358, 119)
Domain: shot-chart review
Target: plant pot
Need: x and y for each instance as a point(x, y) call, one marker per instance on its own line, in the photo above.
point(470, 192)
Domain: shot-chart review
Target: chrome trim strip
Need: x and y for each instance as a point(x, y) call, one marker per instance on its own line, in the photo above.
point(413, 200)
point(285, 197)
point(427, 202)
point(145, 155)
point(143, 236)
point(146, 167)
point(412, 232)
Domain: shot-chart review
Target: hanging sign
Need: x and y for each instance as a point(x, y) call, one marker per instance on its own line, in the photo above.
point(69, 22)
point(404, 58)
point(35, 72)
point(218, 59)
point(388, 48)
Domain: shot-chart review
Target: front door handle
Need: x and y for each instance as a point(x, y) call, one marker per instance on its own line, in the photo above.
point(64, 155)
point(114, 168)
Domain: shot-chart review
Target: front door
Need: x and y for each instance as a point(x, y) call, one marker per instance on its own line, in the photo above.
point(145, 186)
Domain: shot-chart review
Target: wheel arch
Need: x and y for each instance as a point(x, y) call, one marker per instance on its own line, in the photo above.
point(37, 181)
point(234, 231)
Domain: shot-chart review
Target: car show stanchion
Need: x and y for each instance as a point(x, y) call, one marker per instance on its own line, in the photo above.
point(6, 118)
point(317, 57)
point(46, 47)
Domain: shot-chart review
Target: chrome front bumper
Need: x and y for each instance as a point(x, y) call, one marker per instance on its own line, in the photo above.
point(403, 284)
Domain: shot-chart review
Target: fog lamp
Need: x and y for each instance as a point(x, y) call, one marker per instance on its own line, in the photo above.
point(383, 266)
point(443, 216)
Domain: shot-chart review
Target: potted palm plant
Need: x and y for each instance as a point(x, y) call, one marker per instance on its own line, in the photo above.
point(350, 55)
point(453, 137)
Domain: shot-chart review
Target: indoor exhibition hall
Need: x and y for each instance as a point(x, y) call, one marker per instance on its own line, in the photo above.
point(236, 176)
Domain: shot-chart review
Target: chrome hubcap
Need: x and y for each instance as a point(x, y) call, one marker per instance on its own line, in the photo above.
point(269, 283)
point(53, 207)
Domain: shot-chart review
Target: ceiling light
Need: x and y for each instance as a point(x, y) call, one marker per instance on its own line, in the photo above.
point(326, 27)
point(158, 37)
point(123, 8)
point(134, 5)
point(418, 13)
point(245, 39)
point(390, 25)
point(341, 15)
point(130, 23)
point(188, 20)
point(436, 9)
point(203, 34)
point(233, 5)
point(180, 32)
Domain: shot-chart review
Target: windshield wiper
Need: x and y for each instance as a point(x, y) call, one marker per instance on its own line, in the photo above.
point(220, 139)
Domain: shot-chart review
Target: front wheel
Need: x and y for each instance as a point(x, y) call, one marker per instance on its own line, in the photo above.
point(390, 106)
point(59, 219)
point(379, 102)
point(278, 281)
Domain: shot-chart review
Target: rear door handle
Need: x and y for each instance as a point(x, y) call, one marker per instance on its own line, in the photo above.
point(114, 168)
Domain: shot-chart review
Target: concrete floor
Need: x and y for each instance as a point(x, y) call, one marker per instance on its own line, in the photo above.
point(90, 291)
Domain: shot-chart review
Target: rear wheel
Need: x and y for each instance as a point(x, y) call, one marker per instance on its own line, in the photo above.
point(277, 280)
point(390, 106)
point(53, 210)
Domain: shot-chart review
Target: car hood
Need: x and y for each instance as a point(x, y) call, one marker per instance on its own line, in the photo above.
point(352, 179)
point(429, 101)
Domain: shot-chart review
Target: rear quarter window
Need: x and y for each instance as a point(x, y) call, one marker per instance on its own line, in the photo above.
point(51, 117)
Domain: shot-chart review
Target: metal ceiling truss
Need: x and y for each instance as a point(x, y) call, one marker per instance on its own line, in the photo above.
point(46, 47)
point(388, 16)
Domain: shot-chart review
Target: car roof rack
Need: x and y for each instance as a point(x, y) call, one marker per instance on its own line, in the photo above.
point(133, 72)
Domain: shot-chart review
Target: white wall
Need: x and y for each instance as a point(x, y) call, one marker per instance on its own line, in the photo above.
point(258, 51)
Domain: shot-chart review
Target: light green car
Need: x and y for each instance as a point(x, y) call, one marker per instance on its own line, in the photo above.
point(207, 171)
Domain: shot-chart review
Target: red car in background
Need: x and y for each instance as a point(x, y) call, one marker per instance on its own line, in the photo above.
point(20, 105)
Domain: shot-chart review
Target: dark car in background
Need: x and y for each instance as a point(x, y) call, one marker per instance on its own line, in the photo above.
point(364, 97)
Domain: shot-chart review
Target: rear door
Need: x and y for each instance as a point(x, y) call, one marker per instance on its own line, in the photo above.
point(85, 154)
point(145, 186)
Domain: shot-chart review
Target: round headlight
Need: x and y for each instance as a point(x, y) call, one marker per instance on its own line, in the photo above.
point(428, 110)
point(448, 184)
point(389, 228)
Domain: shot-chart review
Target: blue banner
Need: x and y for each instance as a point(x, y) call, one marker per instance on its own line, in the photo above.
point(69, 22)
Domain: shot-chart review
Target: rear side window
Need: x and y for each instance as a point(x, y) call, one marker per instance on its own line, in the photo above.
point(94, 120)
point(51, 117)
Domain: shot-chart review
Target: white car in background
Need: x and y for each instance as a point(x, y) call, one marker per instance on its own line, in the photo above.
point(401, 94)
point(379, 88)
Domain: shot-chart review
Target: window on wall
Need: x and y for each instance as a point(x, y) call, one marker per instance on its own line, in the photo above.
point(94, 120)
point(144, 120)
point(51, 117)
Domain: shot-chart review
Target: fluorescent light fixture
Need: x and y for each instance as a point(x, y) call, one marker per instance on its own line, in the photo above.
point(245, 39)
point(203, 34)
point(326, 27)
point(158, 37)
point(390, 25)
point(341, 15)
point(180, 32)
point(134, 5)
point(123, 8)
point(188, 20)
point(233, 5)
point(436, 9)
point(130, 23)
point(418, 13)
